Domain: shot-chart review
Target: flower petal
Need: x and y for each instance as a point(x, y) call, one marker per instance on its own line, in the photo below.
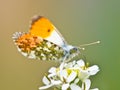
point(72, 76)
point(57, 82)
point(51, 75)
point(81, 63)
point(64, 74)
point(65, 86)
point(87, 84)
point(83, 74)
point(62, 66)
point(45, 80)
point(52, 70)
point(93, 69)
point(45, 87)
point(75, 87)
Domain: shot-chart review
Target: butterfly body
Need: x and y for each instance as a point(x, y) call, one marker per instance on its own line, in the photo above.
point(44, 42)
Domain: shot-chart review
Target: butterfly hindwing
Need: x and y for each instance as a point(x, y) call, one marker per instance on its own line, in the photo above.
point(35, 47)
point(49, 51)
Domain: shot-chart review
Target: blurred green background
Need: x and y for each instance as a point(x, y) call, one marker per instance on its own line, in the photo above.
point(79, 21)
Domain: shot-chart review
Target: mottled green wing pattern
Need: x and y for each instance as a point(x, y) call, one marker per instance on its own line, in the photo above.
point(49, 51)
point(35, 47)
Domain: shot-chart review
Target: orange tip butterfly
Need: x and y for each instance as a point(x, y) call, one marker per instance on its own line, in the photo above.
point(44, 42)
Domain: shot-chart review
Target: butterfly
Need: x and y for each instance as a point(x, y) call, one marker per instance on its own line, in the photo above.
point(43, 41)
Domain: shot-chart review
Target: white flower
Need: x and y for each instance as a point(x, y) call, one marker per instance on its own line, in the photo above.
point(85, 71)
point(65, 86)
point(70, 75)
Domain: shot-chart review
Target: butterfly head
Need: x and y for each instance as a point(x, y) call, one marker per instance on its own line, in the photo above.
point(71, 51)
point(74, 50)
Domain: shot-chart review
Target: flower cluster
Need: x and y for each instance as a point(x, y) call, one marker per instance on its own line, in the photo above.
point(70, 76)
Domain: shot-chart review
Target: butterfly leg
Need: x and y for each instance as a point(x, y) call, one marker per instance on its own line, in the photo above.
point(66, 57)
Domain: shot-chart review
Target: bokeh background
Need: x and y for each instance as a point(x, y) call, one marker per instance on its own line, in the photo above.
point(79, 21)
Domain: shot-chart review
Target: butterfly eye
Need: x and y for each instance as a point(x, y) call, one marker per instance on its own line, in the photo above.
point(74, 50)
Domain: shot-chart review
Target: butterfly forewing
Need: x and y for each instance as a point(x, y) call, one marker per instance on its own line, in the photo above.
point(42, 27)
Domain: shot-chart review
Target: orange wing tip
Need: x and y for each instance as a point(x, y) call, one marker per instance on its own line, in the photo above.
point(41, 26)
point(34, 19)
point(28, 42)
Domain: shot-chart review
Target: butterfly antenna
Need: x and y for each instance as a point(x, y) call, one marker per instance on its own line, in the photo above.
point(97, 42)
